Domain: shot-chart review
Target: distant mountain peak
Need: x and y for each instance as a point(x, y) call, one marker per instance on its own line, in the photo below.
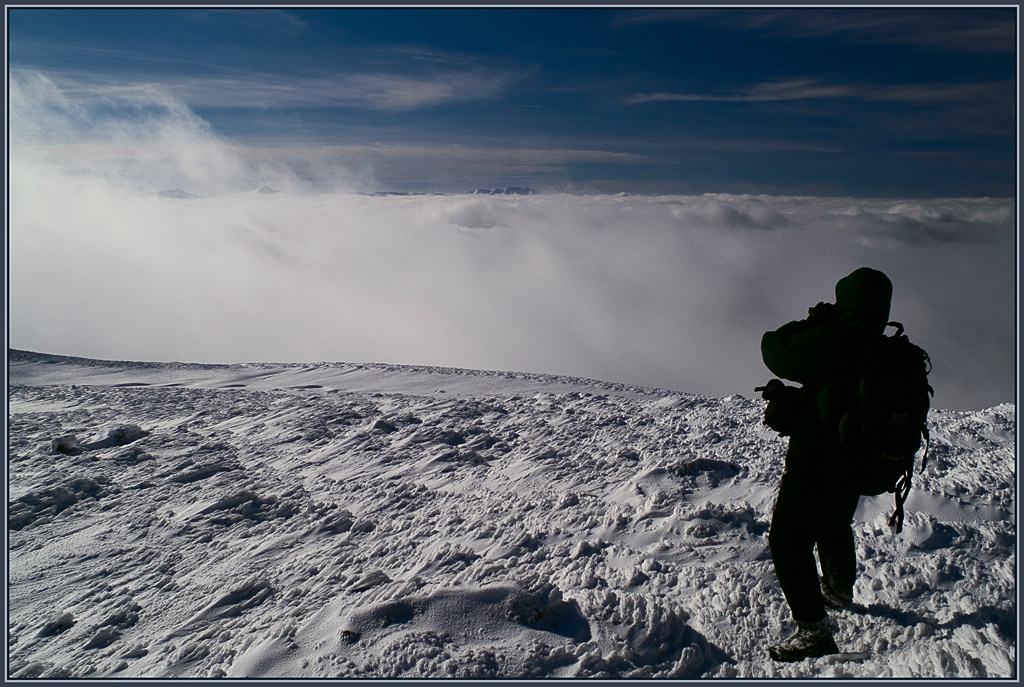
point(508, 191)
point(175, 193)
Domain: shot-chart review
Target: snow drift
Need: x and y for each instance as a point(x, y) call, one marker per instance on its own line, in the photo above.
point(378, 521)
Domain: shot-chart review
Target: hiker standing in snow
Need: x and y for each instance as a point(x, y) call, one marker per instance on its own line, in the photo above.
point(815, 504)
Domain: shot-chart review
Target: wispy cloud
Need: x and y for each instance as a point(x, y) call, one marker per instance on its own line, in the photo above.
point(812, 89)
point(262, 18)
point(789, 89)
point(980, 92)
point(371, 91)
point(403, 92)
point(944, 29)
point(136, 138)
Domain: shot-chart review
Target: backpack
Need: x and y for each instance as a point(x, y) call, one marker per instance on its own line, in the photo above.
point(881, 431)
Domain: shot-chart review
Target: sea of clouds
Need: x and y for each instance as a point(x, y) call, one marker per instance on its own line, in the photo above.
point(666, 291)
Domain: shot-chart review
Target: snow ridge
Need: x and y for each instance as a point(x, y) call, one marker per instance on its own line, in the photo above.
point(377, 521)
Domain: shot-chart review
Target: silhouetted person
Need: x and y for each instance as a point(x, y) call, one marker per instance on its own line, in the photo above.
point(815, 505)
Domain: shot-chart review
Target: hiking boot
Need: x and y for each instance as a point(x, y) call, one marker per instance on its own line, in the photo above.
point(834, 598)
point(811, 640)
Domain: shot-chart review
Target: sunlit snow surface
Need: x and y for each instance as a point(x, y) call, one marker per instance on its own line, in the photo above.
point(343, 520)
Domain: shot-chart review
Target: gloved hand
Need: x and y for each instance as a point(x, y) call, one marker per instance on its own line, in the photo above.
point(772, 390)
point(783, 410)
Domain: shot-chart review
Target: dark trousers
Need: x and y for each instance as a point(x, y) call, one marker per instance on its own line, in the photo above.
point(812, 509)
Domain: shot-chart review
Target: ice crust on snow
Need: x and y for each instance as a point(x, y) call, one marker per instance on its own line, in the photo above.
point(376, 521)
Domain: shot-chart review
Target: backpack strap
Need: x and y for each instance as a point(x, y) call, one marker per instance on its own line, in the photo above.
point(902, 491)
point(903, 488)
point(924, 458)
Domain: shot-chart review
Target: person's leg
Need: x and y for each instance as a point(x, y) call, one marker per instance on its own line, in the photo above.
point(837, 550)
point(791, 540)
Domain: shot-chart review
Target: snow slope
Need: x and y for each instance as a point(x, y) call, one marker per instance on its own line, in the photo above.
point(342, 520)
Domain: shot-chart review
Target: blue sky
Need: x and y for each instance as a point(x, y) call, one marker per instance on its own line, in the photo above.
point(827, 101)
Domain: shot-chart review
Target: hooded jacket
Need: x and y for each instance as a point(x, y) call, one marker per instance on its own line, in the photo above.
point(821, 352)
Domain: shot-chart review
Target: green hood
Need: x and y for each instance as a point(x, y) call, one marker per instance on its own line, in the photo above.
point(864, 295)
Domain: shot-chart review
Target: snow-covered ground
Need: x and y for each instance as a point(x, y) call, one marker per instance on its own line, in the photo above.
point(344, 520)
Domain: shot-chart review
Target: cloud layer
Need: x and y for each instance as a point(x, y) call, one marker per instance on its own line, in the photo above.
point(670, 291)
